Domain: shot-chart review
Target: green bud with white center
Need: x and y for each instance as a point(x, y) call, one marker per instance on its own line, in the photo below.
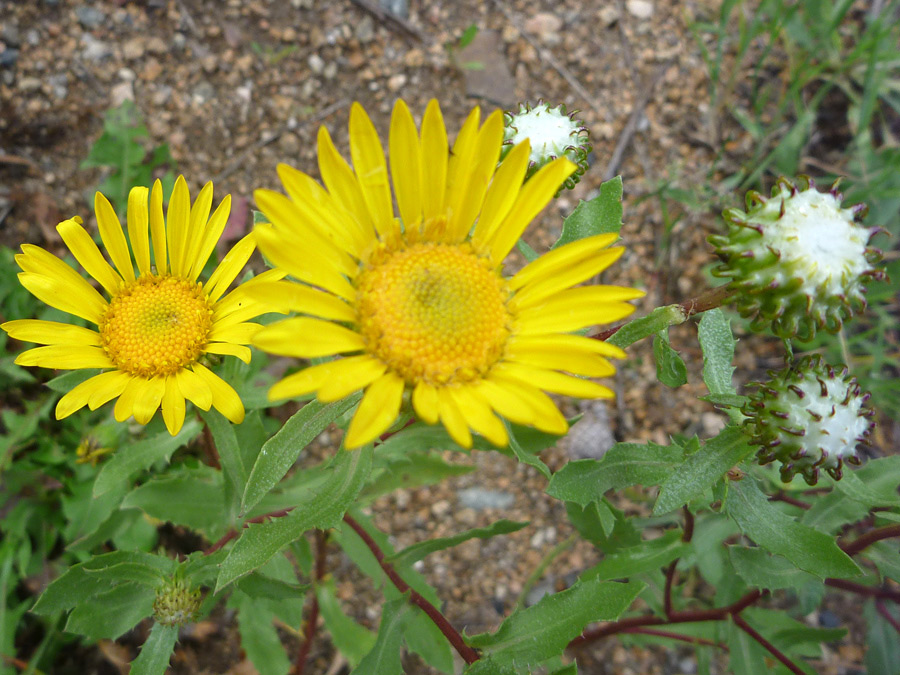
point(810, 417)
point(553, 133)
point(798, 260)
point(176, 604)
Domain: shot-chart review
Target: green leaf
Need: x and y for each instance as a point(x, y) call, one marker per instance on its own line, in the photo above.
point(63, 384)
point(426, 640)
point(128, 461)
point(745, 655)
point(192, 496)
point(527, 252)
point(868, 495)
point(156, 651)
point(384, 658)
point(352, 640)
point(324, 510)
point(280, 452)
point(646, 557)
point(882, 646)
point(410, 471)
point(670, 368)
point(763, 570)
point(259, 638)
point(771, 528)
point(529, 455)
point(468, 35)
point(109, 614)
point(418, 551)
point(532, 635)
point(257, 585)
point(831, 512)
point(229, 451)
point(702, 469)
point(587, 480)
point(657, 320)
point(717, 344)
point(600, 215)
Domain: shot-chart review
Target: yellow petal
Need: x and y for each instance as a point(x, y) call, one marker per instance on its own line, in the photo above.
point(533, 197)
point(551, 381)
point(478, 415)
point(342, 184)
point(211, 236)
point(124, 407)
point(51, 333)
point(194, 388)
point(425, 401)
point(507, 395)
point(478, 174)
point(177, 220)
point(88, 255)
point(435, 155)
point(307, 338)
point(238, 334)
point(228, 349)
point(286, 296)
point(348, 375)
point(377, 410)
point(137, 227)
point(113, 237)
point(79, 396)
point(452, 418)
point(230, 267)
point(68, 357)
point(172, 406)
point(371, 169)
point(224, 398)
point(300, 383)
point(567, 343)
point(582, 363)
point(107, 387)
point(197, 226)
point(158, 228)
point(148, 399)
point(546, 286)
point(562, 258)
point(502, 193)
point(572, 310)
point(406, 164)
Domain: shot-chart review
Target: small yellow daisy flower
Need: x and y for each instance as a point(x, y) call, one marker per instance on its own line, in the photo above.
point(157, 323)
point(418, 302)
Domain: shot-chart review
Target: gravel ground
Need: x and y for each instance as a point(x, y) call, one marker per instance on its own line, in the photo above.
point(236, 86)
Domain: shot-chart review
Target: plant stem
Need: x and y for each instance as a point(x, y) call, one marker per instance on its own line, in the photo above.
point(859, 589)
point(879, 605)
point(676, 636)
point(310, 629)
point(231, 534)
point(468, 654)
point(772, 649)
point(864, 541)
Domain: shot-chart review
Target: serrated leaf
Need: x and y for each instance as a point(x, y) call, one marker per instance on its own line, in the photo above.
point(128, 461)
point(769, 527)
point(670, 368)
point(543, 630)
point(229, 451)
point(657, 320)
point(259, 638)
point(831, 512)
point(259, 542)
point(882, 646)
point(257, 585)
point(384, 658)
point(702, 469)
point(587, 480)
point(418, 551)
point(352, 640)
point(111, 613)
point(646, 557)
point(192, 497)
point(763, 570)
point(153, 659)
point(717, 344)
point(600, 215)
point(280, 452)
point(868, 495)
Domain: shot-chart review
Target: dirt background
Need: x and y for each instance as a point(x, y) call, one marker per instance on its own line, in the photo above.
point(236, 86)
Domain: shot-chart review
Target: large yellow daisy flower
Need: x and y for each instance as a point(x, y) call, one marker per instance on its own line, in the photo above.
point(157, 322)
point(418, 303)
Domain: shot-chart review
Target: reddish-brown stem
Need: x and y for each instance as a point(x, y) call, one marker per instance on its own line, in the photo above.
point(468, 654)
point(864, 541)
point(231, 534)
point(859, 589)
point(210, 449)
point(676, 636)
point(781, 497)
point(309, 631)
point(670, 570)
point(688, 525)
point(879, 605)
point(772, 649)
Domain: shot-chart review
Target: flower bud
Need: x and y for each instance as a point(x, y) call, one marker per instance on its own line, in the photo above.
point(176, 604)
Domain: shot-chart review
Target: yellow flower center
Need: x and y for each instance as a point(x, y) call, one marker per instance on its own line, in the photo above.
point(433, 312)
point(156, 326)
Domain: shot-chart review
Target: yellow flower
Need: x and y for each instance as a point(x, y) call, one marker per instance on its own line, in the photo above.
point(418, 302)
point(157, 323)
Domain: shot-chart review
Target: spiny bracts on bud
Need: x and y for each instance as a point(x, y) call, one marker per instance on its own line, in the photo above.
point(797, 259)
point(553, 133)
point(810, 417)
point(176, 604)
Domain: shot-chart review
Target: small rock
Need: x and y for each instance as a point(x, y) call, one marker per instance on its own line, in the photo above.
point(592, 436)
point(133, 49)
point(538, 591)
point(712, 423)
point(89, 17)
point(828, 619)
point(608, 15)
point(479, 499)
point(8, 57)
point(94, 49)
point(302, 4)
point(396, 7)
point(330, 71)
point(485, 71)
point(641, 9)
point(126, 74)
point(59, 85)
point(29, 84)
point(33, 38)
point(365, 29)
point(316, 64)
point(210, 64)
point(123, 91)
point(396, 82)
point(10, 35)
point(545, 26)
point(151, 71)
point(687, 665)
point(440, 508)
point(179, 41)
point(289, 35)
point(203, 92)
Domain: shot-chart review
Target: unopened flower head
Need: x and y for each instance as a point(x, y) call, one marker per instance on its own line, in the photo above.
point(553, 133)
point(810, 417)
point(798, 259)
point(155, 321)
point(176, 604)
point(414, 303)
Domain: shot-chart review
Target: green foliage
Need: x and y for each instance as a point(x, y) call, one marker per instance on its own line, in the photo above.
point(125, 160)
point(601, 215)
